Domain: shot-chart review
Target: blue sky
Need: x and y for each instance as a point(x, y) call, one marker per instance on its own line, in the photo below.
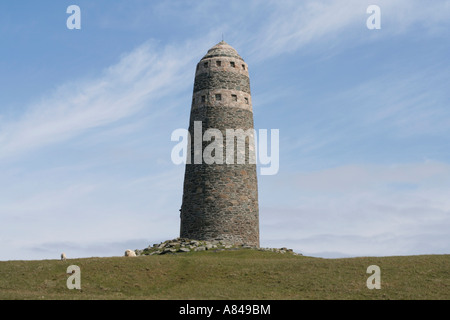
point(86, 118)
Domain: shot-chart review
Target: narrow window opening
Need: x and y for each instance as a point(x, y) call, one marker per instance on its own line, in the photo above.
point(246, 100)
point(205, 64)
point(218, 97)
point(234, 97)
point(218, 63)
point(203, 98)
point(232, 64)
point(243, 67)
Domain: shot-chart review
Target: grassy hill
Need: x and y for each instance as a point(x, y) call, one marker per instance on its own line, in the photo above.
point(242, 274)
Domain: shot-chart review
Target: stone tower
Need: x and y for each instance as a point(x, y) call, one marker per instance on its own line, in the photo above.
point(220, 201)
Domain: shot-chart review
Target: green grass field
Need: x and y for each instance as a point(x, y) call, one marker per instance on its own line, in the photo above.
point(242, 274)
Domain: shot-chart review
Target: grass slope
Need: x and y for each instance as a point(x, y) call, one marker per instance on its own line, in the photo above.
point(243, 274)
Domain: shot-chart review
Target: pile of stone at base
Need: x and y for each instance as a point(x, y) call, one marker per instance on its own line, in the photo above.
point(181, 245)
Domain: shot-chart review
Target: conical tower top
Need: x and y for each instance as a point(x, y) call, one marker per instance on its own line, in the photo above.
point(222, 49)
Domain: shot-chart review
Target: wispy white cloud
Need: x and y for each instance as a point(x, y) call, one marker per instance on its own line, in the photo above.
point(293, 26)
point(85, 210)
point(149, 72)
point(360, 209)
point(42, 204)
point(357, 177)
point(407, 109)
point(138, 80)
point(405, 103)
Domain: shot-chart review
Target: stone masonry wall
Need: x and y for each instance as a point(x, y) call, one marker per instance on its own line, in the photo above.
point(220, 201)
